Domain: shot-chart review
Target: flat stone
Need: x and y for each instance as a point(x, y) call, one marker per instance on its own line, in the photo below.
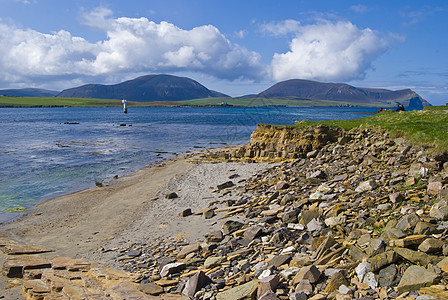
point(416, 277)
point(370, 280)
point(298, 296)
point(225, 185)
point(408, 241)
point(376, 246)
point(396, 197)
point(185, 213)
point(188, 249)
point(18, 249)
point(244, 291)
point(14, 266)
point(425, 228)
point(434, 188)
point(231, 226)
point(172, 268)
point(417, 257)
point(279, 260)
point(212, 261)
point(37, 285)
point(362, 269)
point(150, 288)
point(381, 260)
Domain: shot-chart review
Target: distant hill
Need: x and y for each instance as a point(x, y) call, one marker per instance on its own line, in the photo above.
point(313, 90)
point(29, 92)
point(145, 89)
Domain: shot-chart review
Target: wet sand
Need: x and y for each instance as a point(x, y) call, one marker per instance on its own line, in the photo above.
point(131, 209)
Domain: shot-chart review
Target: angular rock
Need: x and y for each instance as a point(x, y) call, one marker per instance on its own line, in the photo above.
point(172, 268)
point(231, 226)
point(416, 277)
point(431, 245)
point(188, 249)
point(267, 284)
point(396, 198)
point(172, 195)
point(407, 222)
point(334, 221)
point(366, 186)
point(214, 236)
point(387, 275)
point(335, 282)
point(244, 291)
point(298, 296)
point(151, 288)
point(225, 185)
point(417, 257)
point(381, 260)
point(310, 273)
point(195, 283)
point(439, 210)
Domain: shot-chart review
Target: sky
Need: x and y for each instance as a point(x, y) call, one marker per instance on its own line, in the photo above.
point(234, 47)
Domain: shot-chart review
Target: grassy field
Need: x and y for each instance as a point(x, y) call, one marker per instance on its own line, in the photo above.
point(90, 102)
point(425, 127)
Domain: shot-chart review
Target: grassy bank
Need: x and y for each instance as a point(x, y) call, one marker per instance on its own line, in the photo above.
point(426, 127)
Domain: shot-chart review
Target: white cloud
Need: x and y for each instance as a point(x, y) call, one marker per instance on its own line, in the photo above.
point(98, 18)
point(360, 8)
point(133, 45)
point(329, 51)
point(281, 28)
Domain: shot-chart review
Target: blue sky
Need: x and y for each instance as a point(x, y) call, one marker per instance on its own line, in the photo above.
point(235, 47)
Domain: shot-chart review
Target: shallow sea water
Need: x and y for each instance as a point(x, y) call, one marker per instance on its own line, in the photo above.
point(48, 152)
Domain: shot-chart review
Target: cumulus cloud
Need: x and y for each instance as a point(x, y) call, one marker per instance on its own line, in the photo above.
point(133, 45)
point(281, 28)
point(329, 51)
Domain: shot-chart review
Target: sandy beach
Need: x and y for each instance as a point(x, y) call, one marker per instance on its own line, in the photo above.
point(133, 208)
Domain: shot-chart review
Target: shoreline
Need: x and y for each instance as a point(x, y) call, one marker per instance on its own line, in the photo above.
point(79, 223)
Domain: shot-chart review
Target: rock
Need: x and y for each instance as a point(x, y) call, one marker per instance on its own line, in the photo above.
point(439, 210)
point(231, 226)
point(396, 198)
point(14, 266)
point(281, 185)
point(416, 277)
point(431, 245)
point(298, 296)
point(362, 269)
point(381, 260)
point(290, 216)
point(195, 283)
point(387, 276)
point(267, 284)
point(244, 291)
point(434, 188)
point(407, 222)
point(279, 260)
point(188, 249)
point(252, 232)
point(316, 195)
point(334, 221)
point(151, 288)
point(225, 185)
point(366, 186)
point(214, 236)
point(186, 212)
point(310, 273)
point(425, 228)
point(213, 261)
point(269, 296)
point(133, 253)
point(335, 282)
point(304, 286)
point(208, 214)
point(314, 225)
point(172, 268)
point(172, 195)
point(376, 246)
point(417, 257)
point(370, 280)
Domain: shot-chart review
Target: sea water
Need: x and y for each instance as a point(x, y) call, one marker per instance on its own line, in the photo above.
point(48, 152)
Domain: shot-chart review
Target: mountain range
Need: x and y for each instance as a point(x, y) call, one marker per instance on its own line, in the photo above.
point(151, 88)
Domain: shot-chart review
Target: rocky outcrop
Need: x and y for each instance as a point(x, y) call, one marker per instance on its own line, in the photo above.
point(271, 142)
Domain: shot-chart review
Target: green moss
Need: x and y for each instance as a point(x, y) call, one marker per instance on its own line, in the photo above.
point(16, 209)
